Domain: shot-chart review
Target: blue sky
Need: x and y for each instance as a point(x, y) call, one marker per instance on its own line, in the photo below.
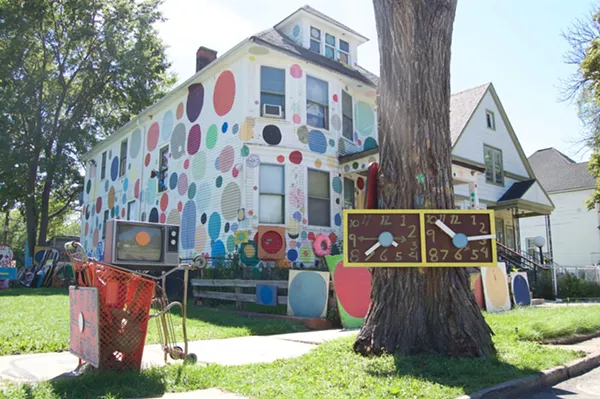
point(514, 44)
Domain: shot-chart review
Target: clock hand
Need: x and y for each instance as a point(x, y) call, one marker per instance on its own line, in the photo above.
point(445, 228)
point(394, 243)
point(483, 237)
point(372, 249)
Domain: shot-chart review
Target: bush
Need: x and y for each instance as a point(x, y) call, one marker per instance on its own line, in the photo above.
point(570, 286)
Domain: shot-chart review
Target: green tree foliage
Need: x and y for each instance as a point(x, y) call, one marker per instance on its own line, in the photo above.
point(71, 73)
point(584, 87)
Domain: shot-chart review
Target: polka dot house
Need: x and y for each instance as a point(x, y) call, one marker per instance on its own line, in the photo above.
point(257, 154)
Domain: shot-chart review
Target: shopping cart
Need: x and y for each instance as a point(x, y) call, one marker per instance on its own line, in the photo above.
point(147, 300)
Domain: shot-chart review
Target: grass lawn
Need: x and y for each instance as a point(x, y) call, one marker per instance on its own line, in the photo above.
point(332, 370)
point(37, 320)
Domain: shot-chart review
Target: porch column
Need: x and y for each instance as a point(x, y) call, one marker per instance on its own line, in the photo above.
point(474, 195)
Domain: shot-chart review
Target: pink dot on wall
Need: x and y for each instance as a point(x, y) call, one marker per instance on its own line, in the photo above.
point(179, 206)
point(296, 118)
point(163, 218)
point(296, 71)
point(186, 164)
point(335, 98)
point(256, 102)
point(280, 159)
point(153, 136)
point(147, 160)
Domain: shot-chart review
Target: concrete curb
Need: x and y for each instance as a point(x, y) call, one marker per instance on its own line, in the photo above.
point(571, 340)
point(546, 378)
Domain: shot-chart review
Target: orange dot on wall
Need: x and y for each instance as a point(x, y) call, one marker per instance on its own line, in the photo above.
point(142, 238)
point(250, 212)
point(179, 112)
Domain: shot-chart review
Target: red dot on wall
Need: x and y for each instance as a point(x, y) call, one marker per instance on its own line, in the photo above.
point(360, 183)
point(335, 98)
point(179, 206)
point(311, 236)
point(147, 160)
point(333, 237)
point(280, 159)
point(123, 212)
point(163, 218)
point(186, 164)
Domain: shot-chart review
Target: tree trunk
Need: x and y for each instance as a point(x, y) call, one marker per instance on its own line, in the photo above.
point(418, 310)
point(6, 224)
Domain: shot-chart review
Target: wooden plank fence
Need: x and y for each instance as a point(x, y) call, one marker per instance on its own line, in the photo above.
point(238, 296)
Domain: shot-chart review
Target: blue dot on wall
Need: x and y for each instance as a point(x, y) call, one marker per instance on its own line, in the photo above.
point(292, 255)
point(370, 143)
point(173, 181)
point(317, 141)
point(234, 227)
point(153, 217)
point(338, 219)
point(106, 186)
point(226, 229)
point(337, 184)
point(125, 184)
point(331, 142)
point(235, 128)
point(203, 218)
point(114, 168)
point(214, 225)
point(266, 294)
point(521, 291)
point(218, 250)
point(188, 225)
point(297, 216)
point(304, 235)
point(219, 181)
point(124, 199)
point(224, 127)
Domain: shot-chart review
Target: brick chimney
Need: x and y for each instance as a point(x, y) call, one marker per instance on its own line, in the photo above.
point(204, 56)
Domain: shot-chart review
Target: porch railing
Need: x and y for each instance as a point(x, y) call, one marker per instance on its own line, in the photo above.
point(518, 260)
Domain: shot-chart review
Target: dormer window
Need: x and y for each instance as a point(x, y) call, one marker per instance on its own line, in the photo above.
point(344, 52)
point(315, 40)
point(329, 46)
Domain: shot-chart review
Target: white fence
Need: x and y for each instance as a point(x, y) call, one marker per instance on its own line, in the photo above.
point(588, 273)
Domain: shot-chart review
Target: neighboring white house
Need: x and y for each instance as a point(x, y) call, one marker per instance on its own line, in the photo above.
point(573, 230)
point(278, 134)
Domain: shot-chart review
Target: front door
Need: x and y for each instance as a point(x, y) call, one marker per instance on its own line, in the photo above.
point(510, 237)
point(500, 231)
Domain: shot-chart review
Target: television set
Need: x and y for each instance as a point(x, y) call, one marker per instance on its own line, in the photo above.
point(141, 245)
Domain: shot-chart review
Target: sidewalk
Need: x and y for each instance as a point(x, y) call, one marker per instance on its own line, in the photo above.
point(231, 351)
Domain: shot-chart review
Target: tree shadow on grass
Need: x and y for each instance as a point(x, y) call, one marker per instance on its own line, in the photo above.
point(25, 291)
point(470, 374)
point(149, 383)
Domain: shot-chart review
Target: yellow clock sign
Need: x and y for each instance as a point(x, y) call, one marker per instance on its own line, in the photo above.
point(419, 238)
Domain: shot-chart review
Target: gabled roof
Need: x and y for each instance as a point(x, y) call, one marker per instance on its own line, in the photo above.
point(278, 41)
point(558, 172)
point(462, 106)
point(517, 190)
point(324, 17)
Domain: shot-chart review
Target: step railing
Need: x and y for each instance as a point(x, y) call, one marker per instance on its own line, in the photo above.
point(520, 261)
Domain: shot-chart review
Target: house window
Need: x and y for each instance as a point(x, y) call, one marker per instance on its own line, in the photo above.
point(329, 46)
point(123, 159)
point(163, 169)
point(272, 88)
point(131, 210)
point(490, 120)
point(271, 194)
point(348, 193)
point(348, 123)
point(500, 231)
point(315, 40)
point(319, 203)
point(531, 248)
point(104, 224)
point(317, 103)
point(494, 169)
point(344, 52)
point(103, 167)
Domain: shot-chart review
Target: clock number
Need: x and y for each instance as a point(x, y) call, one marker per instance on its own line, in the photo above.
point(366, 220)
point(385, 220)
point(352, 237)
point(382, 256)
point(454, 219)
point(414, 246)
point(482, 229)
point(433, 255)
point(431, 219)
point(445, 253)
point(398, 256)
point(354, 223)
point(484, 251)
point(354, 255)
point(403, 220)
point(412, 228)
point(431, 233)
point(458, 254)
point(443, 218)
point(474, 254)
point(414, 255)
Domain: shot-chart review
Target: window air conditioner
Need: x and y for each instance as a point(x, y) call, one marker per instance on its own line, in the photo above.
point(272, 111)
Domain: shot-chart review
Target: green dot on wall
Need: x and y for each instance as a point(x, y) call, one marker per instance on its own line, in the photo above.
point(355, 165)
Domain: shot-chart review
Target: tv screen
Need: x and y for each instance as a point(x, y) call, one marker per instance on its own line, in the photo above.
point(139, 243)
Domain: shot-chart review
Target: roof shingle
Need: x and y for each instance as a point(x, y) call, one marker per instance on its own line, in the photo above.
point(557, 172)
point(462, 106)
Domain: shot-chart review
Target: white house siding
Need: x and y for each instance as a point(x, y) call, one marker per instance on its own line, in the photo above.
point(487, 192)
point(220, 195)
point(476, 134)
point(575, 234)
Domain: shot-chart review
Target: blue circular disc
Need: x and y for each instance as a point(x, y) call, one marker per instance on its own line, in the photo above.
point(460, 240)
point(386, 238)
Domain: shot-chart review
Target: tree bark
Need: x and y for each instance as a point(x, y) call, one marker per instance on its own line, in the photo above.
point(418, 310)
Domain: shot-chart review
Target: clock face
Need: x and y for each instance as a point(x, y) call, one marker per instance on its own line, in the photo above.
point(417, 238)
point(455, 238)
